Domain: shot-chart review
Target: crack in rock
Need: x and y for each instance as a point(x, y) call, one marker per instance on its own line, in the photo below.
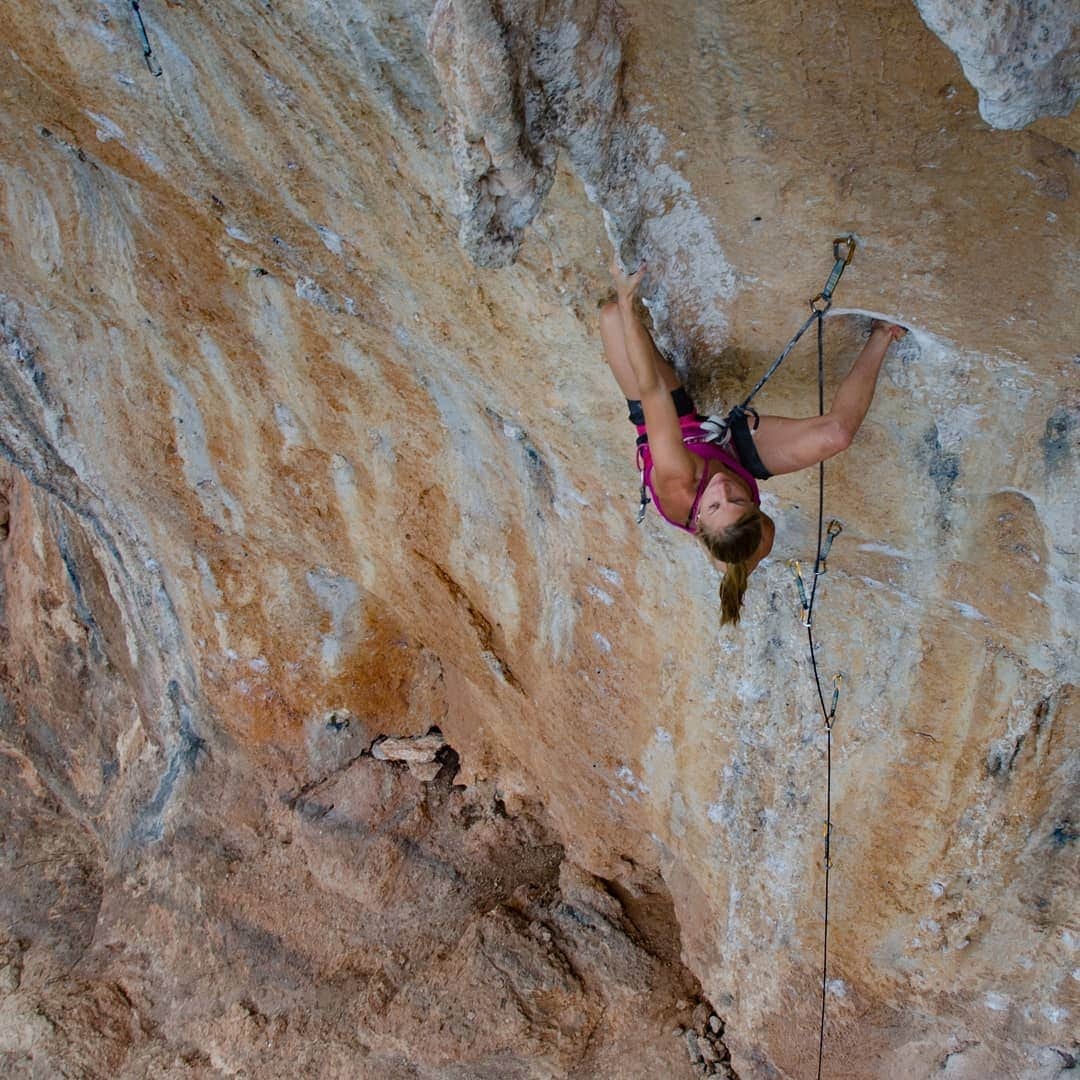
point(524, 80)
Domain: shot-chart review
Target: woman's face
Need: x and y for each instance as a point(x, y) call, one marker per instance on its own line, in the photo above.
point(723, 502)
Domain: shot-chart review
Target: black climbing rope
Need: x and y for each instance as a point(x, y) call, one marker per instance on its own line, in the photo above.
point(827, 715)
point(843, 251)
point(819, 305)
point(825, 537)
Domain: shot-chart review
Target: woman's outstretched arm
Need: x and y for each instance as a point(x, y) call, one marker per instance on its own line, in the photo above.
point(671, 460)
point(786, 445)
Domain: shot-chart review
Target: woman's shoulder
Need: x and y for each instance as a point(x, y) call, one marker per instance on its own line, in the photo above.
point(676, 495)
point(677, 489)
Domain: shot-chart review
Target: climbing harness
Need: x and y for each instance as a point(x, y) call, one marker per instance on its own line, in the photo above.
point(148, 53)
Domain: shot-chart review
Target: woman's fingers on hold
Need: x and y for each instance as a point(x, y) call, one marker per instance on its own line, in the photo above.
point(616, 265)
point(894, 330)
point(624, 281)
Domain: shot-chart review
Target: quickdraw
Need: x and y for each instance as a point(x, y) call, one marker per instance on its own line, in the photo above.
point(148, 53)
point(796, 568)
point(825, 296)
point(837, 681)
point(834, 530)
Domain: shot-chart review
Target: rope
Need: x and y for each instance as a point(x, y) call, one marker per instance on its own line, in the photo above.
point(818, 307)
point(828, 713)
point(782, 357)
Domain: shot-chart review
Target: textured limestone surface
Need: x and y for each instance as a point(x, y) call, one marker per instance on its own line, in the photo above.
point(1022, 57)
point(309, 449)
point(322, 913)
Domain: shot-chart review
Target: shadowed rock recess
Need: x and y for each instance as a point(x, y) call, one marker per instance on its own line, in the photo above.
point(349, 726)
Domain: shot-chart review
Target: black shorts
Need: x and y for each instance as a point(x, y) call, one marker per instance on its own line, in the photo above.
point(743, 441)
point(738, 424)
point(683, 406)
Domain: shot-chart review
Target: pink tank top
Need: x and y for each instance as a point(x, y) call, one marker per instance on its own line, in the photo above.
point(695, 439)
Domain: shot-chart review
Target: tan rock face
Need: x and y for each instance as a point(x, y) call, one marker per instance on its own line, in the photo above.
point(287, 470)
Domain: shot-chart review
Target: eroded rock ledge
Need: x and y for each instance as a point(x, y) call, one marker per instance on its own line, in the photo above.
point(1022, 57)
point(367, 924)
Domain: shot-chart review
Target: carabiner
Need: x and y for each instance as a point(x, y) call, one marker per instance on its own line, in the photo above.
point(850, 241)
point(834, 530)
point(643, 505)
point(837, 681)
point(796, 569)
point(823, 301)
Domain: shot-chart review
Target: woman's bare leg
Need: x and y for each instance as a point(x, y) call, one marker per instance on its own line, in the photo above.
point(785, 445)
point(611, 333)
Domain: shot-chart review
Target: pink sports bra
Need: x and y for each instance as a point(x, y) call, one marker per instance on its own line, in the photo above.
point(695, 439)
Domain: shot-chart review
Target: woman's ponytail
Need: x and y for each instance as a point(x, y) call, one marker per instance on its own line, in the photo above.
point(732, 588)
point(735, 546)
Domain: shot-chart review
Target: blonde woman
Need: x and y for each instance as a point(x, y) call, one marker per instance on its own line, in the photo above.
point(707, 487)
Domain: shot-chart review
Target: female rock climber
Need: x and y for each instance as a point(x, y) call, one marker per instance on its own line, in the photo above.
point(711, 490)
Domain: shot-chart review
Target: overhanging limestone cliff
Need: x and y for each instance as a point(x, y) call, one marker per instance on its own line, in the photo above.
point(311, 461)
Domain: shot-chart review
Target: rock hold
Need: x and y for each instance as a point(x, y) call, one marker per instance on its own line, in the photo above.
point(704, 1041)
point(692, 1047)
point(418, 749)
point(425, 770)
point(701, 1017)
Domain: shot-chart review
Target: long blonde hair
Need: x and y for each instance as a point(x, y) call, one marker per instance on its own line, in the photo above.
point(735, 546)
